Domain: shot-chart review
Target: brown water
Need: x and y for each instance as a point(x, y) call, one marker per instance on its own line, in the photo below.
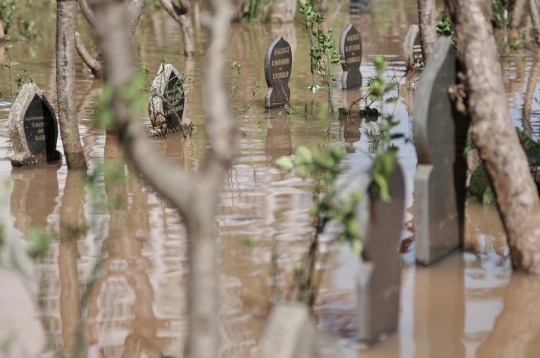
point(467, 305)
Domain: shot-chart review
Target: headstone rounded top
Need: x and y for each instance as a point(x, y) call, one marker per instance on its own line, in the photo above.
point(350, 48)
point(433, 117)
point(168, 100)
point(33, 128)
point(277, 71)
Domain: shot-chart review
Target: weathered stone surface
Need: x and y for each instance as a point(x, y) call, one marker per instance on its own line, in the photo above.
point(33, 128)
point(350, 48)
point(277, 70)
point(412, 49)
point(360, 6)
point(278, 140)
point(290, 333)
point(439, 137)
point(283, 11)
point(379, 279)
point(33, 197)
point(168, 101)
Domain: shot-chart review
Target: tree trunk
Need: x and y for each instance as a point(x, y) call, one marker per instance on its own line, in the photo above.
point(66, 22)
point(494, 134)
point(427, 18)
point(195, 195)
point(533, 7)
point(182, 15)
point(517, 12)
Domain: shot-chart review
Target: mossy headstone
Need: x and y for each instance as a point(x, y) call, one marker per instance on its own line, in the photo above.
point(33, 128)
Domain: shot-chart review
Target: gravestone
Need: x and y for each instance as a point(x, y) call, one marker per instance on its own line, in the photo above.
point(290, 333)
point(278, 141)
point(168, 101)
point(412, 49)
point(33, 128)
point(439, 137)
point(277, 70)
point(350, 48)
point(360, 6)
point(379, 280)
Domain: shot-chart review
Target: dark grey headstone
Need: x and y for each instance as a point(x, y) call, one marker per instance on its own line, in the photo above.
point(278, 140)
point(350, 48)
point(33, 128)
point(165, 115)
point(439, 137)
point(277, 70)
point(290, 333)
point(379, 279)
point(360, 6)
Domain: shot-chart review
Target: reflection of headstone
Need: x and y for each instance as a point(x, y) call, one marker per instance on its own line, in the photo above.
point(33, 197)
point(350, 48)
point(278, 140)
point(283, 11)
point(290, 333)
point(349, 128)
point(168, 100)
point(360, 6)
point(33, 128)
point(412, 49)
point(380, 273)
point(439, 138)
point(277, 70)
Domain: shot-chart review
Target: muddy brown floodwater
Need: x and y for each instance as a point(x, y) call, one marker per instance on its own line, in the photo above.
point(468, 305)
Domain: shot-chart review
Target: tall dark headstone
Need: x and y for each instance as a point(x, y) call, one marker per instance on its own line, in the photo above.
point(33, 128)
point(360, 6)
point(277, 70)
point(168, 100)
point(439, 137)
point(290, 333)
point(350, 48)
point(278, 140)
point(379, 280)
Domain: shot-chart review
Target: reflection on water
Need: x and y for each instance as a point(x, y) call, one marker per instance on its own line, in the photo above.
point(466, 305)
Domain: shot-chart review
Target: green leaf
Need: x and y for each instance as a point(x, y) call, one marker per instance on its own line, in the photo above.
point(285, 164)
point(304, 154)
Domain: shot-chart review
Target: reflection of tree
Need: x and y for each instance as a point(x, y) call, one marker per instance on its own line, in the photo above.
point(529, 94)
point(518, 325)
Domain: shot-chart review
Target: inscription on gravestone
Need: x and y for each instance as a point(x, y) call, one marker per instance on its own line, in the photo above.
point(418, 58)
point(277, 70)
point(350, 49)
point(439, 137)
point(167, 107)
point(379, 279)
point(412, 49)
point(33, 128)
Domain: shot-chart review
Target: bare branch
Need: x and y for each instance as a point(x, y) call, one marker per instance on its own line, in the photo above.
point(87, 12)
point(88, 59)
point(181, 14)
point(535, 19)
point(134, 10)
point(517, 13)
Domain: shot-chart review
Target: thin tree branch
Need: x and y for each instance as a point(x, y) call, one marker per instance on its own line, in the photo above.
point(535, 19)
point(182, 15)
point(88, 59)
point(87, 12)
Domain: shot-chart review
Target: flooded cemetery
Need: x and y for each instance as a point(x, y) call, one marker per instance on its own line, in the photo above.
point(354, 221)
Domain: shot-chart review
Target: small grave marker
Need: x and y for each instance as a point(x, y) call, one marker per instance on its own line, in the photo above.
point(168, 100)
point(33, 128)
point(350, 49)
point(290, 333)
point(439, 137)
point(379, 280)
point(277, 70)
point(413, 49)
